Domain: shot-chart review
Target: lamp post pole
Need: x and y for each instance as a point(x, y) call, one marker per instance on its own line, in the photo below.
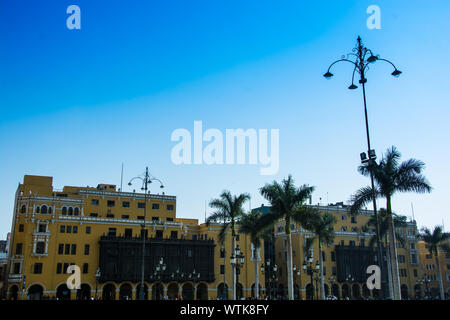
point(361, 65)
point(145, 181)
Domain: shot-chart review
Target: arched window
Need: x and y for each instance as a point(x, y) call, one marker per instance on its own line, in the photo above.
point(49, 209)
point(23, 209)
point(44, 209)
point(64, 211)
point(76, 211)
point(38, 209)
point(70, 211)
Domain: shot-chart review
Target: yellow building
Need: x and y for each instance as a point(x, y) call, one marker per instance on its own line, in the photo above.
point(429, 281)
point(345, 262)
point(98, 229)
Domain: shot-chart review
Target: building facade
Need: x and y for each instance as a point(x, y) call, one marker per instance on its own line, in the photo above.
point(100, 231)
point(345, 262)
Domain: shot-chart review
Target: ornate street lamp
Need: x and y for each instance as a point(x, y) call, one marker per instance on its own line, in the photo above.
point(146, 179)
point(97, 278)
point(360, 58)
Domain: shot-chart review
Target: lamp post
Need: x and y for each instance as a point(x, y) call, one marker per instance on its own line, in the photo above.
point(296, 273)
point(361, 63)
point(97, 278)
point(146, 179)
point(308, 267)
point(271, 275)
point(332, 281)
point(195, 276)
point(237, 259)
point(425, 280)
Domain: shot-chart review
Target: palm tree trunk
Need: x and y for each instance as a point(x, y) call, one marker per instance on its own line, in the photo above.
point(393, 252)
point(256, 274)
point(289, 267)
point(322, 284)
point(233, 267)
point(441, 287)
point(389, 273)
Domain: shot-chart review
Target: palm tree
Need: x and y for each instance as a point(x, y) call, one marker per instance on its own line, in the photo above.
point(228, 210)
point(435, 240)
point(391, 177)
point(322, 227)
point(399, 222)
point(286, 203)
point(250, 224)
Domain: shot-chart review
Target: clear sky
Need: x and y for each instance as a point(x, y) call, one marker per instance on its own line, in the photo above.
point(76, 104)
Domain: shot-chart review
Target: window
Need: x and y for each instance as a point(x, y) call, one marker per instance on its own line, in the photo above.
point(140, 217)
point(59, 268)
point(76, 211)
point(38, 209)
point(125, 204)
point(353, 219)
point(111, 203)
point(352, 243)
point(222, 253)
point(73, 251)
point(323, 256)
point(88, 230)
point(67, 248)
point(354, 229)
point(128, 233)
point(155, 206)
point(37, 268)
point(112, 232)
point(412, 245)
point(401, 259)
point(110, 215)
point(66, 265)
point(94, 202)
point(44, 209)
point(222, 269)
point(403, 273)
point(69, 229)
point(333, 271)
point(155, 218)
point(170, 207)
point(93, 214)
point(125, 216)
point(343, 217)
point(333, 256)
point(62, 229)
point(61, 248)
point(42, 227)
point(64, 211)
point(21, 227)
point(159, 234)
point(75, 229)
point(16, 268)
point(415, 273)
point(19, 248)
point(428, 256)
point(70, 211)
point(169, 219)
point(23, 209)
point(174, 235)
point(86, 249)
point(85, 268)
point(141, 205)
point(344, 228)
point(40, 247)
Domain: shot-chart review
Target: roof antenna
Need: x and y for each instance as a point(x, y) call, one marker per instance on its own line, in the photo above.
point(121, 178)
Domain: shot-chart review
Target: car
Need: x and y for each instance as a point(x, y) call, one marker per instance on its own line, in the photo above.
point(331, 297)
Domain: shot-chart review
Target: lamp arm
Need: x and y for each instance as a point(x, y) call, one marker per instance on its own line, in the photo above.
point(340, 60)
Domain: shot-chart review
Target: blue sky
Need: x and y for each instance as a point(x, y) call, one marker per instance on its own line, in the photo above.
point(76, 104)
